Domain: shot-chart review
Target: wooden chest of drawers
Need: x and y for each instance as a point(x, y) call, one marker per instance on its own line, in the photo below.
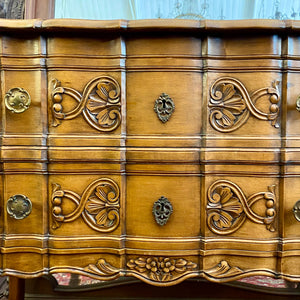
point(158, 149)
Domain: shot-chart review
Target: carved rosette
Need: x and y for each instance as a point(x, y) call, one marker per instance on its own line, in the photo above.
point(98, 205)
point(164, 107)
point(228, 207)
point(100, 103)
point(161, 270)
point(230, 104)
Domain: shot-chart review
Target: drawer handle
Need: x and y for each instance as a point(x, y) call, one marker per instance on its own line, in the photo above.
point(296, 210)
point(164, 107)
point(19, 207)
point(17, 100)
point(298, 103)
point(162, 210)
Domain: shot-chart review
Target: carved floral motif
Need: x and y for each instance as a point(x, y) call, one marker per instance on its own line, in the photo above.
point(100, 103)
point(161, 269)
point(99, 205)
point(230, 104)
point(228, 208)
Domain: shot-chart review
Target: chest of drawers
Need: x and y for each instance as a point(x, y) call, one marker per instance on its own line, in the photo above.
point(162, 150)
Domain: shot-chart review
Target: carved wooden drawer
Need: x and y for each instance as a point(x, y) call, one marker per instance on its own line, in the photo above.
point(162, 150)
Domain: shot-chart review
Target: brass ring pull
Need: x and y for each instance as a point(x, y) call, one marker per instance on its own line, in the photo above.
point(296, 210)
point(19, 207)
point(17, 100)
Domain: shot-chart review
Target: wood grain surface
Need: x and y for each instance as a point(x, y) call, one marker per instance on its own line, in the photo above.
point(93, 154)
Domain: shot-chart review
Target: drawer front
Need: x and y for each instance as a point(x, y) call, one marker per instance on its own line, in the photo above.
point(150, 215)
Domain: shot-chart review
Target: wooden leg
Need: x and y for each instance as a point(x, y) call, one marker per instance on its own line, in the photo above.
point(16, 288)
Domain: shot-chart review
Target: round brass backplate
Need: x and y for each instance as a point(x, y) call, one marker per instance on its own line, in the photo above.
point(17, 100)
point(19, 206)
point(296, 210)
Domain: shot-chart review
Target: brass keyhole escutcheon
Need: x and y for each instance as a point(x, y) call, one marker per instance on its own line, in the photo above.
point(17, 100)
point(164, 107)
point(162, 210)
point(19, 206)
point(296, 210)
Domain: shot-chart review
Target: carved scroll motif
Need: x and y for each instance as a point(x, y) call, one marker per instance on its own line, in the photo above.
point(99, 205)
point(230, 104)
point(161, 269)
point(103, 270)
point(223, 270)
point(100, 103)
point(228, 207)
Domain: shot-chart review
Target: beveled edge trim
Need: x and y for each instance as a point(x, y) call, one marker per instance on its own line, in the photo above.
point(176, 25)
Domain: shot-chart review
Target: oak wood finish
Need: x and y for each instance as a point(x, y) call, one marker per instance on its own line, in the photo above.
point(93, 156)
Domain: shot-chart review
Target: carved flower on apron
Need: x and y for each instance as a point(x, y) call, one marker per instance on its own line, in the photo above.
point(161, 268)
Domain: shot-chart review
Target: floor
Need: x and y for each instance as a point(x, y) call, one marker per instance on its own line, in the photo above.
point(82, 287)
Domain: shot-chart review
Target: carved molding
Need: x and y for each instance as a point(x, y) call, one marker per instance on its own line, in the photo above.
point(230, 104)
point(100, 103)
point(228, 207)
point(161, 270)
point(98, 205)
point(164, 107)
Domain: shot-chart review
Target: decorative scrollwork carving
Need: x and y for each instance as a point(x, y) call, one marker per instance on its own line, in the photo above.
point(223, 270)
point(99, 205)
point(103, 270)
point(164, 107)
point(162, 210)
point(100, 103)
point(228, 207)
point(230, 104)
point(160, 269)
